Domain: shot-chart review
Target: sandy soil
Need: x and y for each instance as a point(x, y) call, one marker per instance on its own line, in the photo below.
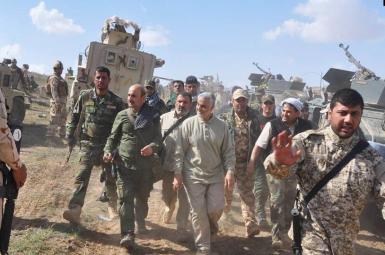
point(46, 193)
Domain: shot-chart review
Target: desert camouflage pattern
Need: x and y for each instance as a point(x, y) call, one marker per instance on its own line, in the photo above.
point(58, 104)
point(245, 183)
point(332, 224)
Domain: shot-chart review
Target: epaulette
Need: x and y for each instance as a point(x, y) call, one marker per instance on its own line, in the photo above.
point(311, 132)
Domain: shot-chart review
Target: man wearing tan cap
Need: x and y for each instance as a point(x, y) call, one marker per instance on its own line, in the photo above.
point(261, 189)
point(245, 129)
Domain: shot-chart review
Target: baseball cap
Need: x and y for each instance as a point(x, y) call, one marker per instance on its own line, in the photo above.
point(238, 93)
point(268, 98)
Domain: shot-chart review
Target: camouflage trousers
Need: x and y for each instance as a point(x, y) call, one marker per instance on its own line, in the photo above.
point(261, 192)
point(282, 196)
point(170, 196)
point(207, 202)
point(134, 187)
point(245, 185)
point(58, 117)
point(90, 156)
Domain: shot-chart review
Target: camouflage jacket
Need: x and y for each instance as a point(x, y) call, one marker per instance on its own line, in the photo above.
point(59, 88)
point(332, 223)
point(129, 137)
point(253, 123)
point(94, 116)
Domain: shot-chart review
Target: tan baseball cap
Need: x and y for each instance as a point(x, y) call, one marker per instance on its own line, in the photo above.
point(268, 98)
point(238, 93)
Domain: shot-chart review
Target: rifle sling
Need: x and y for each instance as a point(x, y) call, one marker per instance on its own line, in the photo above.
point(359, 147)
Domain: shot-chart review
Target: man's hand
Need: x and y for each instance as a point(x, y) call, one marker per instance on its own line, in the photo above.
point(229, 181)
point(146, 151)
point(178, 182)
point(282, 149)
point(20, 175)
point(250, 168)
point(107, 157)
point(57, 107)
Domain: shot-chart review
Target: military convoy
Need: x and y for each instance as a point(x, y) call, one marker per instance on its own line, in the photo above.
point(120, 52)
point(16, 100)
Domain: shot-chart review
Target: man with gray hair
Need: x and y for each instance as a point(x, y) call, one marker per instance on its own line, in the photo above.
point(204, 155)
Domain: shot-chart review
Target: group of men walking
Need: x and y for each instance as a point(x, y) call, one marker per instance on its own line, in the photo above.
point(205, 155)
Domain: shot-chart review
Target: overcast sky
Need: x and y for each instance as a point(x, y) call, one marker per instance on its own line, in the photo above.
point(294, 38)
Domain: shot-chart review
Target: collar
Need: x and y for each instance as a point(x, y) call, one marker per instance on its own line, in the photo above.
point(338, 141)
point(206, 122)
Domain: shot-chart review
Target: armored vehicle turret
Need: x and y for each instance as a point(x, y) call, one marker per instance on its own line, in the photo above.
point(276, 85)
point(119, 50)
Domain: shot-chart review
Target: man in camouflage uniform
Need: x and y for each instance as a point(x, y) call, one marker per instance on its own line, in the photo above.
point(58, 102)
point(17, 77)
point(136, 136)
point(9, 154)
point(153, 99)
point(245, 129)
point(94, 114)
point(331, 223)
point(192, 86)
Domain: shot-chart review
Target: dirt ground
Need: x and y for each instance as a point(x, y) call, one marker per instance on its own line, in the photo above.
point(39, 228)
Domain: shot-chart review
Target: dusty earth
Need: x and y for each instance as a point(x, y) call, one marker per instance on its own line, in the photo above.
point(39, 228)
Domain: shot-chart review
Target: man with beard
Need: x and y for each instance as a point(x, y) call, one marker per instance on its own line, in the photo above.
point(153, 99)
point(169, 195)
point(282, 192)
point(204, 154)
point(330, 219)
point(245, 129)
point(261, 189)
point(177, 87)
point(93, 114)
point(135, 136)
point(192, 86)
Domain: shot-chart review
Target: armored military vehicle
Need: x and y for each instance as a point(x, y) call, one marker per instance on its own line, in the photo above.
point(120, 52)
point(372, 89)
point(276, 85)
point(16, 100)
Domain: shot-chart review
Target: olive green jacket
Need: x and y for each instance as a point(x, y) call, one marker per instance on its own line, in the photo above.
point(130, 140)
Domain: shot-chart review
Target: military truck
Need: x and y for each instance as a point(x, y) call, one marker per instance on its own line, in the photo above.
point(120, 52)
point(16, 100)
point(276, 85)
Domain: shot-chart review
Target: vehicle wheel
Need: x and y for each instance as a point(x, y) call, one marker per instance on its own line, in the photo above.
point(17, 114)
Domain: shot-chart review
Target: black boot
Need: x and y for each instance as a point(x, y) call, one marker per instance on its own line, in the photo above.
point(103, 197)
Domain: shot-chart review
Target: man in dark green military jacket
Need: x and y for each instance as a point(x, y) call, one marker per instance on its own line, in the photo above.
point(94, 114)
point(136, 135)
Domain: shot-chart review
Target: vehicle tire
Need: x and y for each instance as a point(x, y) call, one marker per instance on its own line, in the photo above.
point(17, 114)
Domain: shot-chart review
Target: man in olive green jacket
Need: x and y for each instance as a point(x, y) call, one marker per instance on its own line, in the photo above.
point(136, 136)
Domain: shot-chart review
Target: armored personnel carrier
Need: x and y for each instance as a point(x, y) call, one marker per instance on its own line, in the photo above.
point(276, 85)
point(16, 100)
point(120, 52)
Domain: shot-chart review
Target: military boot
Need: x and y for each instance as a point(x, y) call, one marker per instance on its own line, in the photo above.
point(128, 241)
point(73, 214)
point(103, 197)
point(167, 214)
